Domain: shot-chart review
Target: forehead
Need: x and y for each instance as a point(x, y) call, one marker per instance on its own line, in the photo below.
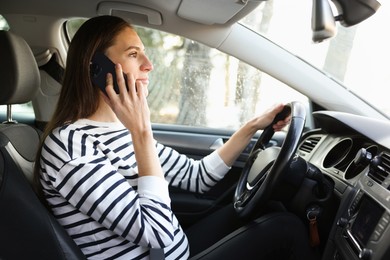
point(128, 37)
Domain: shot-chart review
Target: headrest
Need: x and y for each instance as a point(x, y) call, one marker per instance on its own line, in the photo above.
point(19, 73)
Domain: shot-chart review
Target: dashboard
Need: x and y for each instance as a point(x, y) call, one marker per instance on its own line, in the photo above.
point(354, 152)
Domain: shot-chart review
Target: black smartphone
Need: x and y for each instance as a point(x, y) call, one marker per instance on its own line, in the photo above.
point(99, 67)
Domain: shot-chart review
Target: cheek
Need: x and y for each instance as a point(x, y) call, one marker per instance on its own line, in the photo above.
point(128, 68)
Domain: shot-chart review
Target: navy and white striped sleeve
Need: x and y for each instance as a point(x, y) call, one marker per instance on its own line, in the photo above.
point(189, 174)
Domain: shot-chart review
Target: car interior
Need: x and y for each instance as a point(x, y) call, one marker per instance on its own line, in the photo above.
point(330, 167)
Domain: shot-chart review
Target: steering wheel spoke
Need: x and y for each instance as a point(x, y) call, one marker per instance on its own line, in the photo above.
point(243, 199)
point(257, 182)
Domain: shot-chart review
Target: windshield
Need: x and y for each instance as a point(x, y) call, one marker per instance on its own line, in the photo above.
point(358, 56)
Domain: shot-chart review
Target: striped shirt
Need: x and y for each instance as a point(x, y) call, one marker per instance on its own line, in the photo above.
point(90, 180)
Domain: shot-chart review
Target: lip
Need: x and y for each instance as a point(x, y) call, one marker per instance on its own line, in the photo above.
point(144, 81)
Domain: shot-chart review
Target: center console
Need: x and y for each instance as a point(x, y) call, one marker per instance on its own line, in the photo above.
point(363, 231)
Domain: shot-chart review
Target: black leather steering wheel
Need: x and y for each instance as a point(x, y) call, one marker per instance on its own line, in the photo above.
point(265, 166)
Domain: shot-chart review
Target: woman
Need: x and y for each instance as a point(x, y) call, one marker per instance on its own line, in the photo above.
point(103, 175)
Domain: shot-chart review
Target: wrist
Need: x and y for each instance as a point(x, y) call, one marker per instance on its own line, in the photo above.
point(142, 136)
point(140, 130)
point(252, 126)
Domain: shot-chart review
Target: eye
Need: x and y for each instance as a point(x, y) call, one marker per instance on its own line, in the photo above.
point(133, 54)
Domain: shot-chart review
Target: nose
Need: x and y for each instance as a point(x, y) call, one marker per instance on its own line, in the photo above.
point(146, 64)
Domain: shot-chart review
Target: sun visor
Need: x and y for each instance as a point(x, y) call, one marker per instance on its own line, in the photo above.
point(216, 11)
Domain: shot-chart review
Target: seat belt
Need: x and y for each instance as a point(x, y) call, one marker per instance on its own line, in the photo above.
point(156, 254)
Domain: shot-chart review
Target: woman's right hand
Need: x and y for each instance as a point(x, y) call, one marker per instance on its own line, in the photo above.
point(131, 108)
point(130, 105)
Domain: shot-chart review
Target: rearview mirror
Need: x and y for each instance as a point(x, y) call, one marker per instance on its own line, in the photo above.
point(350, 12)
point(322, 21)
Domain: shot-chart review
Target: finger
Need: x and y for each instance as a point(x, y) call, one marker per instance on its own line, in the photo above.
point(283, 112)
point(131, 84)
point(281, 124)
point(278, 127)
point(140, 88)
point(278, 108)
point(110, 86)
point(107, 100)
point(120, 78)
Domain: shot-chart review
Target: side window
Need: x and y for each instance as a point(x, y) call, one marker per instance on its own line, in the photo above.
point(3, 24)
point(194, 85)
point(72, 25)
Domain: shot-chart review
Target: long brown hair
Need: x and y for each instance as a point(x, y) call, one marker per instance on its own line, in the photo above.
point(78, 97)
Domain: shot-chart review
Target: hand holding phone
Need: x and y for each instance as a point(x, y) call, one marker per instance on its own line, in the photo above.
point(99, 67)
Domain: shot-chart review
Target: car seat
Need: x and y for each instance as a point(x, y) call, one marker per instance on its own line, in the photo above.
point(27, 229)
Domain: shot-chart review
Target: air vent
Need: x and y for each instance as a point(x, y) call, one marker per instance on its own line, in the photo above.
point(308, 145)
point(380, 168)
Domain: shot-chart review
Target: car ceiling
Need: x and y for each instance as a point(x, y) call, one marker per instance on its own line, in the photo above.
point(181, 13)
point(40, 21)
point(182, 17)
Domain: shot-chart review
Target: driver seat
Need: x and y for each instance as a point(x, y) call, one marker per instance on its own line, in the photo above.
point(27, 229)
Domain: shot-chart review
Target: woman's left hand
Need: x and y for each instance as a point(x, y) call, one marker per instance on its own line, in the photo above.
point(266, 119)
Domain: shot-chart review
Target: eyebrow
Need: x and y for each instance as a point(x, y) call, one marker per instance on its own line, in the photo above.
point(133, 47)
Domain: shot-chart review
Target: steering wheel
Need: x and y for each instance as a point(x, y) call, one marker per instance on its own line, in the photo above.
point(265, 165)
